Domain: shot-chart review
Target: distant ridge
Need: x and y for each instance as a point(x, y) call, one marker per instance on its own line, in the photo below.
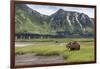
point(61, 22)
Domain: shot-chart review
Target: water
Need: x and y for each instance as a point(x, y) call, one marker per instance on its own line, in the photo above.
point(23, 43)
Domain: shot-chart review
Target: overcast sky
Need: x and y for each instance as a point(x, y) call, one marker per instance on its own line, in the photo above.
point(48, 10)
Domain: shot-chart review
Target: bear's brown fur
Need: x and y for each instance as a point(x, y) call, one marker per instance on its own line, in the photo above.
point(74, 45)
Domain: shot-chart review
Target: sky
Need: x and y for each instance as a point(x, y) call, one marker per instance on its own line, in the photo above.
point(48, 10)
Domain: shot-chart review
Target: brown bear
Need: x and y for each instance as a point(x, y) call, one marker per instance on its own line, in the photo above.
point(73, 45)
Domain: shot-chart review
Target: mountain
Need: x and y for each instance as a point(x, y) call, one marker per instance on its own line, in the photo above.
point(61, 22)
point(28, 20)
point(71, 22)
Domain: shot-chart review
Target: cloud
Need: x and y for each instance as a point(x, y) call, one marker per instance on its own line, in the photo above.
point(88, 11)
point(48, 10)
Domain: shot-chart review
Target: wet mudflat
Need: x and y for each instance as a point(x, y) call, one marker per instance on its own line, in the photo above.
point(30, 59)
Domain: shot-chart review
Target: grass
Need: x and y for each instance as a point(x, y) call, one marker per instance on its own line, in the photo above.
point(40, 50)
point(86, 53)
point(57, 39)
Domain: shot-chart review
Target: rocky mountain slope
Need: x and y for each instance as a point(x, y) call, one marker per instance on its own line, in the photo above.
point(61, 22)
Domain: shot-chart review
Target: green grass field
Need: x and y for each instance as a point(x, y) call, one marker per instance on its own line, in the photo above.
point(49, 47)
